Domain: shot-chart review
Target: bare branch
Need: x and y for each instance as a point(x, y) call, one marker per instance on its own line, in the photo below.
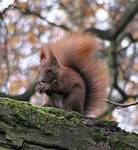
point(29, 12)
point(6, 9)
point(118, 105)
point(120, 25)
point(23, 97)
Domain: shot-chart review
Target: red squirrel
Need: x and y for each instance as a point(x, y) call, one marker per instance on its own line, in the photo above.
point(71, 75)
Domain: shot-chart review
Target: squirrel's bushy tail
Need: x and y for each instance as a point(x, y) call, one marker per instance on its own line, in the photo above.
point(78, 52)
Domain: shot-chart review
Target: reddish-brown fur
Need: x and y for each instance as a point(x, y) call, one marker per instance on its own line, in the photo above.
point(81, 79)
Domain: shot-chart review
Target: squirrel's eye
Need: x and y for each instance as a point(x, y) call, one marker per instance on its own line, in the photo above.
point(49, 70)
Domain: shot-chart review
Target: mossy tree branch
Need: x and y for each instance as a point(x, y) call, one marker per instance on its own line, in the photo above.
point(24, 126)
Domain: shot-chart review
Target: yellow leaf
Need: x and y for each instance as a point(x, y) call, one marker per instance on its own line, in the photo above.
point(11, 27)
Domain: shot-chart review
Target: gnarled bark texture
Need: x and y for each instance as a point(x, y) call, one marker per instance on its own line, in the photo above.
point(27, 127)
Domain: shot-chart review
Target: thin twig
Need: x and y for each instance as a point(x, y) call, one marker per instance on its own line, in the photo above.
point(119, 106)
point(27, 11)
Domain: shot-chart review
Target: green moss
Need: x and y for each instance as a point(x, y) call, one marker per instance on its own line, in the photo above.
point(98, 135)
point(109, 123)
point(115, 142)
point(48, 119)
point(121, 139)
point(19, 117)
point(54, 111)
point(2, 148)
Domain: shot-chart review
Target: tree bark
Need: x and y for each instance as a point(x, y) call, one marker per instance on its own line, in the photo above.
point(24, 126)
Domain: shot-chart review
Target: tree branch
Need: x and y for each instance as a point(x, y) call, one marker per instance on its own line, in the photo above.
point(29, 12)
point(6, 9)
point(120, 25)
point(118, 105)
point(23, 97)
point(28, 127)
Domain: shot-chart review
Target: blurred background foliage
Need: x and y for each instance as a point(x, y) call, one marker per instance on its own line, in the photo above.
point(26, 26)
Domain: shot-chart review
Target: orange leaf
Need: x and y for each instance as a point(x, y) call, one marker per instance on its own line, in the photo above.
point(22, 5)
point(31, 37)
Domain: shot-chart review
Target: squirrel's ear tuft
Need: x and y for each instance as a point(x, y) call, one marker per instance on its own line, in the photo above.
point(53, 58)
point(42, 54)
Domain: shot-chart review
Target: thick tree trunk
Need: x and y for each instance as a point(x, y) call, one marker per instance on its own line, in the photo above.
point(27, 127)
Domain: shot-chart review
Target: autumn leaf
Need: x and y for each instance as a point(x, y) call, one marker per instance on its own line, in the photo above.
point(31, 37)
